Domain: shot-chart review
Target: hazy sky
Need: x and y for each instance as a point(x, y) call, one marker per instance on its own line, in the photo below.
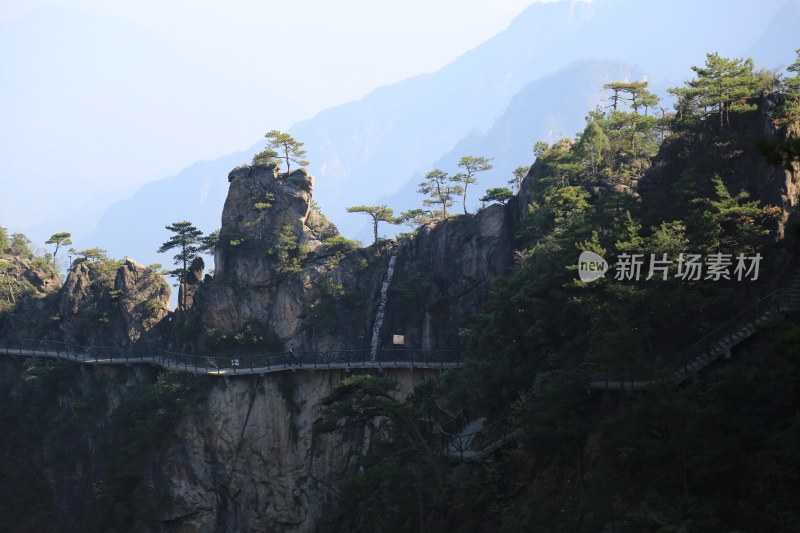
point(100, 97)
point(331, 51)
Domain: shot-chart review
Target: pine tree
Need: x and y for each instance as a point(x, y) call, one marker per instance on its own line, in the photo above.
point(20, 245)
point(188, 240)
point(282, 146)
point(623, 91)
point(5, 269)
point(379, 213)
point(5, 243)
point(791, 107)
point(497, 194)
point(209, 242)
point(635, 93)
point(59, 239)
point(266, 156)
point(593, 145)
point(519, 175)
point(472, 165)
point(418, 217)
point(90, 254)
point(641, 97)
point(437, 186)
point(723, 86)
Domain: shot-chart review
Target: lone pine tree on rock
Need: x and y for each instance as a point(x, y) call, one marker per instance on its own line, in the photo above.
point(472, 165)
point(497, 194)
point(189, 242)
point(61, 238)
point(519, 174)
point(282, 146)
point(379, 213)
point(438, 187)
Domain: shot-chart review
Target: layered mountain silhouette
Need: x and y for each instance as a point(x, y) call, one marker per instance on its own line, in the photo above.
point(68, 79)
point(534, 81)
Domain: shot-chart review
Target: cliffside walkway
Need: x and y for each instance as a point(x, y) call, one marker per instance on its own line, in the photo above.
point(233, 365)
point(702, 353)
point(472, 439)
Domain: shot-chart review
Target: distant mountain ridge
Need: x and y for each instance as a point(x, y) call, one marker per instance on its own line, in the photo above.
point(374, 150)
point(546, 109)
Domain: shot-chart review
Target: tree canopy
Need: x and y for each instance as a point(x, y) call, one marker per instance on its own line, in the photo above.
point(417, 217)
point(89, 254)
point(622, 91)
point(593, 145)
point(722, 86)
point(59, 239)
point(5, 243)
point(188, 240)
point(471, 165)
point(378, 213)
point(791, 86)
point(283, 146)
point(519, 174)
point(20, 245)
point(497, 194)
point(439, 188)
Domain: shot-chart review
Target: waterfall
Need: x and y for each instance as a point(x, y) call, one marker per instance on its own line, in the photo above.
point(376, 330)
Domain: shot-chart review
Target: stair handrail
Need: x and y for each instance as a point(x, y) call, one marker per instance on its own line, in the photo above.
point(679, 360)
point(682, 359)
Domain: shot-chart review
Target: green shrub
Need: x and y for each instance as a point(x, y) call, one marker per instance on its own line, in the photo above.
point(150, 308)
point(341, 244)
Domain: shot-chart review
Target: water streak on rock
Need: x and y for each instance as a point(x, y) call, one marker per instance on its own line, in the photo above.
point(376, 330)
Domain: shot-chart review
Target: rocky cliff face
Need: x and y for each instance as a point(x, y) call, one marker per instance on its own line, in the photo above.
point(273, 252)
point(248, 461)
point(244, 458)
point(284, 270)
point(741, 165)
point(443, 277)
point(187, 291)
point(97, 309)
point(27, 292)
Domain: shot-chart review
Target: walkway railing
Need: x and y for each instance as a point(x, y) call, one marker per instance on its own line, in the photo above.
point(232, 364)
point(708, 349)
point(471, 439)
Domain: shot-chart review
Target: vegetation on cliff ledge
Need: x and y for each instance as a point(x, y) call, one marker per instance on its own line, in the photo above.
point(717, 454)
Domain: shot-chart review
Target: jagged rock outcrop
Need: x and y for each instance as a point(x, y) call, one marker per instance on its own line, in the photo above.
point(267, 232)
point(700, 157)
point(76, 297)
point(282, 269)
point(142, 300)
point(41, 279)
point(27, 290)
point(187, 291)
point(96, 309)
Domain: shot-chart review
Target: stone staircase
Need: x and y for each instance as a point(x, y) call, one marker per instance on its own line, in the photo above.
point(472, 439)
point(712, 346)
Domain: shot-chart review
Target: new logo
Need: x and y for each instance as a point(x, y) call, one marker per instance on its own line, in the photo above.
point(591, 266)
